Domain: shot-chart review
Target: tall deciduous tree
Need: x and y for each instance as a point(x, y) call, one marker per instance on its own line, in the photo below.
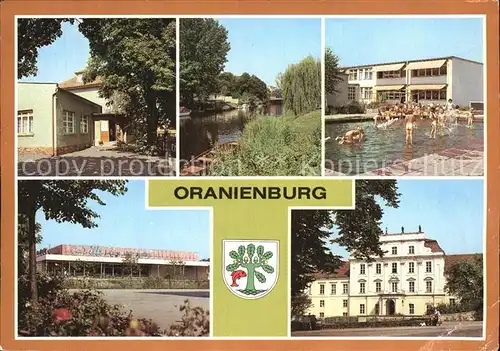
point(465, 280)
point(203, 53)
point(358, 231)
point(62, 201)
point(301, 86)
point(33, 34)
point(333, 74)
point(136, 57)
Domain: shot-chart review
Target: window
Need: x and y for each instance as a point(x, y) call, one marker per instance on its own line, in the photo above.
point(366, 93)
point(344, 303)
point(378, 268)
point(344, 314)
point(411, 267)
point(84, 125)
point(362, 269)
point(321, 315)
point(377, 308)
point(25, 122)
point(429, 72)
point(432, 94)
point(353, 75)
point(394, 286)
point(322, 289)
point(361, 288)
point(411, 250)
point(428, 286)
point(345, 289)
point(452, 302)
point(68, 122)
point(394, 250)
point(428, 267)
point(321, 303)
point(411, 308)
point(391, 94)
point(378, 286)
point(442, 94)
point(333, 289)
point(362, 308)
point(394, 268)
point(411, 287)
point(390, 74)
point(351, 93)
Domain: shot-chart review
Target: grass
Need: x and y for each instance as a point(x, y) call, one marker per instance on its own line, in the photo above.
point(274, 146)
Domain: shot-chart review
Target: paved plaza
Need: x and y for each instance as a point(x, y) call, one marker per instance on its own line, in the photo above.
point(96, 161)
point(448, 329)
point(162, 306)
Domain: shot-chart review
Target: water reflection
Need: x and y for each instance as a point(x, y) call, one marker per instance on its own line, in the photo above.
point(382, 147)
point(202, 132)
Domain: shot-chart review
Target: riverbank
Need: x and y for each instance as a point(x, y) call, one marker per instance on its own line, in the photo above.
point(274, 146)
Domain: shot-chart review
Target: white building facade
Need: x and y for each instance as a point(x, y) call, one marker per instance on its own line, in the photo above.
point(425, 81)
point(408, 280)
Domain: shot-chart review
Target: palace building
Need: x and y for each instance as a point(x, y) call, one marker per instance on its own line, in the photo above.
point(429, 80)
point(408, 280)
point(108, 262)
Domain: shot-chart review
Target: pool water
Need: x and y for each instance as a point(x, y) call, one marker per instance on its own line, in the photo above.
point(381, 147)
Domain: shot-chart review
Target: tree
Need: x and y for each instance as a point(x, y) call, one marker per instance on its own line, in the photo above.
point(135, 57)
point(62, 201)
point(33, 34)
point(358, 231)
point(245, 258)
point(301, 86)
point(333, 75)
point(131, 263)
point(464, 279)
point(203, 48)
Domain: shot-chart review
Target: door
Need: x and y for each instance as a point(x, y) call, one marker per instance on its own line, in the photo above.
point(105, 131)
point(390, 307)
point(97, 132)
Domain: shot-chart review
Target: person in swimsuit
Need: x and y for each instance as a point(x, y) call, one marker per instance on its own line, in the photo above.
point(433, 118)
point(352, 136)
point(470, 117)
point(409, 125)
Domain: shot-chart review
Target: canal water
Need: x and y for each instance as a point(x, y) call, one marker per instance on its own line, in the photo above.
point(200, 133)
point(382, 147)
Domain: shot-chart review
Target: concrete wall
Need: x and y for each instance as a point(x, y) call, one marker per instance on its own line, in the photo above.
point(467, 80)
point(75, 141)
point(340, 98)
point(36, 97)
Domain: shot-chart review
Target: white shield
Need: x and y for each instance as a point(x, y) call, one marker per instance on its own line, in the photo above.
point(250, 267)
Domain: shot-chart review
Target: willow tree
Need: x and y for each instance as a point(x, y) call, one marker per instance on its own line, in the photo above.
point(301, 86)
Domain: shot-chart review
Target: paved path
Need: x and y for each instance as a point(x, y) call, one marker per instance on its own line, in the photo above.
point(448, 329)
point(97, 161)
point(162, 306)
point(450, 162)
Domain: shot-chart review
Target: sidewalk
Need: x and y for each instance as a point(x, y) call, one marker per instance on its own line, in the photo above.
point(450, 162)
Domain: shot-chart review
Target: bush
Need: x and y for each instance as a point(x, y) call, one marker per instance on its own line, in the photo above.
point(134, 283)
point(355, 107)
point(274, 146)
point(85, 313)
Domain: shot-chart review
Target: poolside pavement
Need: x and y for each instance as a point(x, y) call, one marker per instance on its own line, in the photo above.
point(449, 162)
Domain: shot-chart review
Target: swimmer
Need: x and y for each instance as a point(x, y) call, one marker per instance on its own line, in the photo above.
point(433, 126)
point(352, 136)
point(409, 125)
point(470, 117)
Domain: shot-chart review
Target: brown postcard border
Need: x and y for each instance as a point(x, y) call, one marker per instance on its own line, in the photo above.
point(271, 7)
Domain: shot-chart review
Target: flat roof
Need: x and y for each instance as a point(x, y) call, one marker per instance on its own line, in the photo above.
point(116, 260)
point(408, 61)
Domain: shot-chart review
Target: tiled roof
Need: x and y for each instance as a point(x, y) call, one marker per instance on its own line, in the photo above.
point(450, 260)
point(341, 273)
point(74, 83)
point(433, 245)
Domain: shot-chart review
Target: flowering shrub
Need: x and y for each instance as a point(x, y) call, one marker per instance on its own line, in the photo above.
point(86, 313)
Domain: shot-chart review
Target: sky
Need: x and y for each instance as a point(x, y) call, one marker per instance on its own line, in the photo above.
point(449, 211)
point(360, 41)
point(265, 47)
point(60, 60)
point(126, 223)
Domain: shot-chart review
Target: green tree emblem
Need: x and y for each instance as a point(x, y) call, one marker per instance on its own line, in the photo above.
point(251, 259)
